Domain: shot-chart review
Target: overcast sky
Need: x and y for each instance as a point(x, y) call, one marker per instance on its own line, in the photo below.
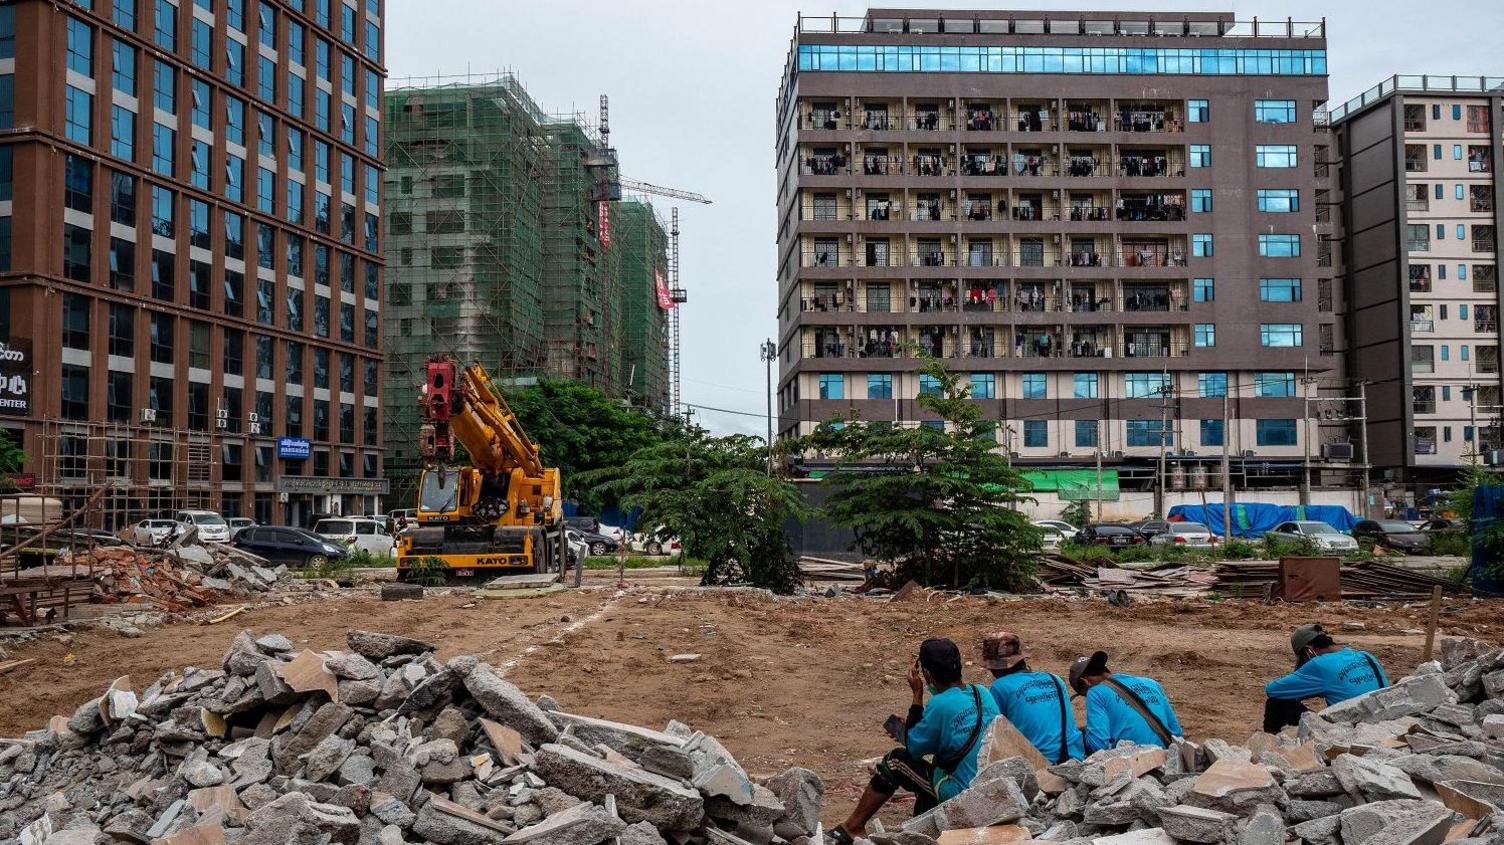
point(693, 83)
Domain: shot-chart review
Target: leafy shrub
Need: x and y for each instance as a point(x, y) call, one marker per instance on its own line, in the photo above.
point(1279, 547)
point(1448, 543)
point(428, 571)
point(1236, 549)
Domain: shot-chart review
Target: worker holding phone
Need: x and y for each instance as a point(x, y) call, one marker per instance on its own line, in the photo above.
point(939, 741)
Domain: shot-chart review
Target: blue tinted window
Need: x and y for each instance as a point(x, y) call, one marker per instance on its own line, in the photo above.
point(1201, 200)
point(122, 133)
point(201, 44)
point(1204, 290)
point(1198, 111)
point(1201, 155)
point(879, 386)
point(1279, 246)
point(983, 386)
point(1280, 334)
point(1145, 385)
point(1148, 433)
point(1276, 155)
point(928, 385)
point(1201, 245)
point(1276, 432)
point(8, 31)
point(80, 47)
point(1274, 384)
point(1279, 290)
point(78, 115)
point(165, 87)
point(1086, 386)
point(1279, 200)
point(1211, 432)
point(1086, 434)
point(123, 67)
point(166, 18)
point(1211, 385)
point(1036, 434)
point(908, 58)
point(1274, 111)
point(163, 152)
point(832, 386)
point(123, 14)
point(1034, 386)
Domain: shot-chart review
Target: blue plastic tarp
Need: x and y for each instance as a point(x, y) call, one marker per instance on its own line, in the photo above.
point(1252, 519)
point(1488, 505)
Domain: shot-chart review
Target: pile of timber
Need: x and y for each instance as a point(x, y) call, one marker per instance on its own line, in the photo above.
point(1370, 580)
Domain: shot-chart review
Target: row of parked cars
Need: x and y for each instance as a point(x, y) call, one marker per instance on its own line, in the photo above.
point(1391, 533)
point(331, 538)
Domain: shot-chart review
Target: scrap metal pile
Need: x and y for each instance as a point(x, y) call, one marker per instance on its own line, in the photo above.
point(382, 743)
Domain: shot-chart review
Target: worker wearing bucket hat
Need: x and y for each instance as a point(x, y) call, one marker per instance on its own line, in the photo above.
point(1037, 703)
point(1324, 668)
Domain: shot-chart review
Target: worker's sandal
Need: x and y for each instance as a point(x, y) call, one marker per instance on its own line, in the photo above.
point(838, 836)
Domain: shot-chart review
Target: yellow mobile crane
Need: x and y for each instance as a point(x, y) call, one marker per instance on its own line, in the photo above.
point(502, 510)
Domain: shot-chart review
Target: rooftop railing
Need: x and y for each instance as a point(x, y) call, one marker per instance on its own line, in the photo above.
point(1046, 24)
point(1428, 84)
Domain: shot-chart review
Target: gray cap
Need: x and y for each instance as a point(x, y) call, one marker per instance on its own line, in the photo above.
point(1304, 636)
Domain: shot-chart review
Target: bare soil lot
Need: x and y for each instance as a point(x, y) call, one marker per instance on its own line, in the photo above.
point(792, 682)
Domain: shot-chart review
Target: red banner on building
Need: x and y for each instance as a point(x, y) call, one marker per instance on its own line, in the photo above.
point(603, 222)
point(665, 299)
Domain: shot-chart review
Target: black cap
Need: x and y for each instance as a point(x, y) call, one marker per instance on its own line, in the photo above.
point(941, 658)
point(1083, 666)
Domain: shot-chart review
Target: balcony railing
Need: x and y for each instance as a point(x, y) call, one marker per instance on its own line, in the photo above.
point(1424, 406)
point(1418, 205)
point(1147, 122)
point(1489, 326)
point(1148, 167)
point(825, 258)
point(1089, 213)
point(1425, 447)
point(1480, 204)
point(1084, 121)
point(1151, 213)
point(1084, 166)
point(1415, 165)
point(1480, 165)
point(1422, 325)
point(1483, 245)
point(1032, 121)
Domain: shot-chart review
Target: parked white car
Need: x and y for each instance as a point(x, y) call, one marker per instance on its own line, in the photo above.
point(212, 527)
point(1050, 537)
point(151, 532)
point(611, 531)
point(368, 534)
point(1327, 538)
point(579, 549)
point(1059, 526)
point(239, 524)
point(1190, 534)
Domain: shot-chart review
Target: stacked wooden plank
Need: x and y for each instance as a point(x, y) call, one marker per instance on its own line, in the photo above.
point(829, 569)
point(1375, 580)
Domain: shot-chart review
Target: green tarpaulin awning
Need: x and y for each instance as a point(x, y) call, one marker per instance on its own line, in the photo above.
point(1074, 484)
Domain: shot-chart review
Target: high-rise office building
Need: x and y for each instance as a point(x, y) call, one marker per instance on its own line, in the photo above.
point(1105, 220)
point(1420, 220)
point(190, 272)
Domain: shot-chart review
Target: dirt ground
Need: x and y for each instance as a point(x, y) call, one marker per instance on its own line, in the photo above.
point(795, 682)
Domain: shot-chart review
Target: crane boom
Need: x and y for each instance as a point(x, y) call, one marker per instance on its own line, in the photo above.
point(658, 190)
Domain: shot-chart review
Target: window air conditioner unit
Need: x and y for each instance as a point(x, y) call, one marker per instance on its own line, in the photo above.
point(148, 415)
point(1337, 451)
point(1247, 453)
point(253, 417)
point(1065, 454)
point(222, 423)
point(255, 428)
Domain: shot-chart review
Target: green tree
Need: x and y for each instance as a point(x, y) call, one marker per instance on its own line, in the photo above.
point(580, 429)
point(715, 495)
point(1077, 513)
point(939, 502)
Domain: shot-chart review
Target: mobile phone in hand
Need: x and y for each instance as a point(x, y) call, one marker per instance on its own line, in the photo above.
point(895, 728)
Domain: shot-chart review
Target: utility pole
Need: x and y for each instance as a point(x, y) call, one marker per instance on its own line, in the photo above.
point(1470, 393)
point(1363, 427)
point(1164, 425)
point(1305, 440)
point(1099, 474)
point(769, 352)
point(1226, 471)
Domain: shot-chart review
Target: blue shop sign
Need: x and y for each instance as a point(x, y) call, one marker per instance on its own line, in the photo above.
point(294, 448)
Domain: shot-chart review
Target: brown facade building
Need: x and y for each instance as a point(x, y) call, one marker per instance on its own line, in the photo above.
point(189, 261)
point(1420, 177)
point(1105, 219)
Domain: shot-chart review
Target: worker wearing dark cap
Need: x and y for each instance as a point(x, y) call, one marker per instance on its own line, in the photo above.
point(939, 754)
point(1122, 708)
point(1323, 668)
point(1037, 703)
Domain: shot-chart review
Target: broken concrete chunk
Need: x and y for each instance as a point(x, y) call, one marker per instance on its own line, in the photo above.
point(578, 825)
point(1197, 824)
point(506, 704)
point(1372, 780)
point(378, 647)
point(640, 795)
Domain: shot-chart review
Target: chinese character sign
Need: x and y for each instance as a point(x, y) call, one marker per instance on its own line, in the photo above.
point(665, 299)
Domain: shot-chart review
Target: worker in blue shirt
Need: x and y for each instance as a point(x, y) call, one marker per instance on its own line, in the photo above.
point(1037, 703)
point(1122, 707)
point(1322, 668)
point(940, 741)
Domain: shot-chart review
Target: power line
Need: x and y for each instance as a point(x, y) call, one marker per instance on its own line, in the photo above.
point(724, 410)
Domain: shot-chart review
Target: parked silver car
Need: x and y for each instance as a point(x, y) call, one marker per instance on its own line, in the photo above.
point(1327, 538)
point(1189, 534)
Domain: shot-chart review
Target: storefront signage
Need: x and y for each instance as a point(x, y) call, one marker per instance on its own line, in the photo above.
point(294, 448)
point(324, 486)
point(15, 378)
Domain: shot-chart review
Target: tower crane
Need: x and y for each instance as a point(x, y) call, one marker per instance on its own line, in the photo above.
point(607, 187)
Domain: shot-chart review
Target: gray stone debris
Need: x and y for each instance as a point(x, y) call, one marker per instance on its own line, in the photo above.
point(408, 751)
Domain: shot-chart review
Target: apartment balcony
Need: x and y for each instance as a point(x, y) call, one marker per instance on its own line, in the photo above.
point(825, 258)
point(1140, 298)
point(1486, 326)
point(1479, 160)
point(1484, 245)
point(826, 303)
point(1415, 165)
point(1089, 214)
point(1085, 120)
point(1154, 344)
point(982, 120)
point(1086, 166)
point(1148, 166)
point(824, 120)
point(824, 165)
point(1034, 120)
point(1422, 326)
point(1425, 447)
point(1147, 120)
point(1152, 208)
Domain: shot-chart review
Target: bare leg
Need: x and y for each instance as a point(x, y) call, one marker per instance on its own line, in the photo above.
point(866, 807)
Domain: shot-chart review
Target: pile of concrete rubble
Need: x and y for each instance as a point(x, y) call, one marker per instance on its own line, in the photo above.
point(382, 744)
point(1418, 763)
point(178, 577)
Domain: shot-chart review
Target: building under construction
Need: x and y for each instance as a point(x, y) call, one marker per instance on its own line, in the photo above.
point(499, 252)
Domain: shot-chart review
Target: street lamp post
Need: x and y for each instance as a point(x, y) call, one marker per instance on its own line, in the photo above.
point(769, 352)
